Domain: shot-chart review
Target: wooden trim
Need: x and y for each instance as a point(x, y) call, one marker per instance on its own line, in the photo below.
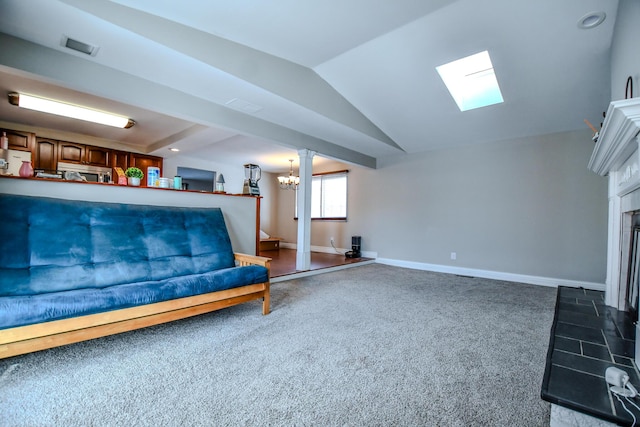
point(341, 218)
point(246, 259)
point(258, 225)
point(331, 173)
point(266, 298)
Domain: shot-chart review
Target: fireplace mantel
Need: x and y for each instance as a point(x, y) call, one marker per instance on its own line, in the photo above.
point(616, 141)
point(616, 154)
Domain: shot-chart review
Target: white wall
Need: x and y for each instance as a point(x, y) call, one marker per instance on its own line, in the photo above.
point(268, 206)
point(233, 176)
point(234, 179)
point(625, 49)
point(527, 207)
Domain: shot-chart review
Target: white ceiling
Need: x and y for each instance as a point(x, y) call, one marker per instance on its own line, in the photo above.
point(351, 79)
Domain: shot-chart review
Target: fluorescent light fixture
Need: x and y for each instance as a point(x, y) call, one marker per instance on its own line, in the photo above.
point(69, 110)
point(471, 81)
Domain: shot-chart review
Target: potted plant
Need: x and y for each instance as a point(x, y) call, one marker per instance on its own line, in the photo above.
point(134, 175)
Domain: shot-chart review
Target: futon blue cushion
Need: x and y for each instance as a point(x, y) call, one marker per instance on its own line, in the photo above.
point(30, 309)
point(52, 245)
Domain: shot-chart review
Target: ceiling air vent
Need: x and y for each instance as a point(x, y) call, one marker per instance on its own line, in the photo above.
point(242, 105)
point(79, 46)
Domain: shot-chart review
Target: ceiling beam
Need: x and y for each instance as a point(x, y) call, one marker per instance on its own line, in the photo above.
point(281, 77)
point(176, 137)
point(87, 76)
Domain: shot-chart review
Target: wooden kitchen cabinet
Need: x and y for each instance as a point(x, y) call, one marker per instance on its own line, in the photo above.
point(71, 152)
point(19, 140)
point(45, 154)
point(97, 156)
point(119, 159)
point(143, 161)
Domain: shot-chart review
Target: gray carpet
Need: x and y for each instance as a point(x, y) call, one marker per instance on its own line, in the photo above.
point(369, 346)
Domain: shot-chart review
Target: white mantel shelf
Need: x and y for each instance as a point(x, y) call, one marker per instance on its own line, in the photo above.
point(617, 137)
point(617, 155)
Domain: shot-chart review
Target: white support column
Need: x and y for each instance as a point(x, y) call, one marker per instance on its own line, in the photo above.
point(303, 255)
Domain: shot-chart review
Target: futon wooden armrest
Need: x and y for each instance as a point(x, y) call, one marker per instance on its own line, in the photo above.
point(246, 259)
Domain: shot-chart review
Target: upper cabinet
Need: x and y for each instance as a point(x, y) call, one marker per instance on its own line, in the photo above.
point(45, 154)
point(18, 140)
point(119, 159)
point(71, 152)
point(143, 161)
point(97, 156)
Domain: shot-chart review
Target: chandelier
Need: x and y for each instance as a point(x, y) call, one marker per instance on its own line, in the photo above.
point(289, 182)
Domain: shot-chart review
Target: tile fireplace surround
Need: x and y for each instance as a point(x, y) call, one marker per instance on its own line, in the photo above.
point(616, 155)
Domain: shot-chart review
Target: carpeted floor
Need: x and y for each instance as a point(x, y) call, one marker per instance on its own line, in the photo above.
point(368, 346)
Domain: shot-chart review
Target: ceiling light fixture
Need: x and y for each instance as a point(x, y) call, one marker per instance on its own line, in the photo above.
point(289, 182)
point(471, 81)
point(175, 150)
point(68, 110)
point(591, 20)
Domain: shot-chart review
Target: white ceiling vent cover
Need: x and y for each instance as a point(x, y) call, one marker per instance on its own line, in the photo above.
point(242, 105)
point(79, 46)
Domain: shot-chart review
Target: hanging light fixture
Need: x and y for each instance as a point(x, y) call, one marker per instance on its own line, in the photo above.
point(289, 182)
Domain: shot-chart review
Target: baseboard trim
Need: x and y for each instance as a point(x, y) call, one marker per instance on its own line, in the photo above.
point(328, 250)
point(307, 273)
point(485, 274)
point(496, 275)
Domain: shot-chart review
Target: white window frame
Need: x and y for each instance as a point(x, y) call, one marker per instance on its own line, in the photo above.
point(318, 181)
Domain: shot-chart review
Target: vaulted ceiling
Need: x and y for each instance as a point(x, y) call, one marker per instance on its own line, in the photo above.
point(253, 81)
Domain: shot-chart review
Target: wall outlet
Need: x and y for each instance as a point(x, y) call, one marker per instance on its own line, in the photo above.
point(454, 255)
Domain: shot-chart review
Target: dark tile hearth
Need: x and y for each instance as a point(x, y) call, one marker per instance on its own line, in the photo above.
point(586, 338)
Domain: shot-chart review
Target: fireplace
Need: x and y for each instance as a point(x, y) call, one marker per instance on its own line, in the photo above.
point(617, 155)
point(630, 262)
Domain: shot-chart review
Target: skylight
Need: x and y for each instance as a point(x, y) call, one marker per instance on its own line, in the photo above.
point(471, 81)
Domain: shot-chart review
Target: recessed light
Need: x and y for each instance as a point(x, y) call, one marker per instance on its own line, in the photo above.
point(591, 20)
point(175, 150)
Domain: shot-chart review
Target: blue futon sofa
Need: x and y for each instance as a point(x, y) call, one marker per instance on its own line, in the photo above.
point(74, 270)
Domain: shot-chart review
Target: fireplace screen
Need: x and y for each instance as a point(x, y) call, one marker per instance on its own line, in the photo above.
point(633, 281)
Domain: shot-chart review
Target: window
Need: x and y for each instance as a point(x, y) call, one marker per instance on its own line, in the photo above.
point(472, 81)
point(328, 196)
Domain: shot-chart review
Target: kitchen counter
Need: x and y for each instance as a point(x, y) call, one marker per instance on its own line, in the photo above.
point(112, 184)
